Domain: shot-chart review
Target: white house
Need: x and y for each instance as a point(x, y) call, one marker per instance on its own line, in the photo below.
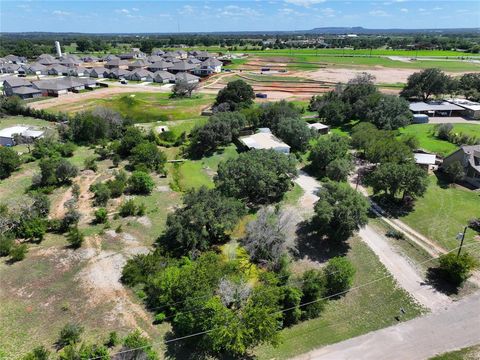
point(264, 140)
point(7, 135)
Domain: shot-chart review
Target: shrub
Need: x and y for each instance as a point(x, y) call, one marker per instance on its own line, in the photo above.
point(313, 288)
point(6, 243)
point(18, 252)
point(90, 163)
point(128, 208)
point(113, 339)
point(101, 216)
point(70, 334)
point(160, 318)
point(395, 234)
point(456, 269)
point(454, 171)
point(140, 183)
point(339, 273)
point(9, 161)
point(75, 237)
point(474, 224)
point(102, 194)
point(38, 353)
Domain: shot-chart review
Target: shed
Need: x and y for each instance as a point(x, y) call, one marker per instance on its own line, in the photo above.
point(420, 118)
point(319, 128)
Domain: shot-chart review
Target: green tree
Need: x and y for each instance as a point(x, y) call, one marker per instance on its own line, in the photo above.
point(147, 155)
point(101, 216)
point(237, 94)
point(132, 137)
point(137, 346)
point(204, 220)
point(75, 237)
point(271, 113)
point(140, 183)
point(390, 113)
point(333, 110)
point(457, 269)
point(426, 83)
point(9, 161)
point(392, 179)
point(291, 300)
point(256, 176)
point(454, 171)
point(327, 149)
point(101, 193)
point(339, 169)
point(340, 210)
point(386, 148)
point(339, 273)
point(313, 289)
point(469, 86)
point(295, 132)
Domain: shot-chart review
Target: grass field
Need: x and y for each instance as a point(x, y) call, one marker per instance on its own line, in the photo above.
point(146, 107)
point(24, 120)
point(443, 212)
point(469, 353)
point(424, 133)
point(360, 311)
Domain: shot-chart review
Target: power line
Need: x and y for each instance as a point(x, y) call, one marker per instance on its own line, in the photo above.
point(288, 309)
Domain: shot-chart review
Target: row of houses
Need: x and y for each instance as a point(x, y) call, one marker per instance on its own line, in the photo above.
point(26, 89)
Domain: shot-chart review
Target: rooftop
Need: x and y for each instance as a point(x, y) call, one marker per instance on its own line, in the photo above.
point(434, 106)
point(263, 140)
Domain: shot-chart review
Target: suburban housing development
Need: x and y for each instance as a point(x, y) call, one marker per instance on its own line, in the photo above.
point(187, 180)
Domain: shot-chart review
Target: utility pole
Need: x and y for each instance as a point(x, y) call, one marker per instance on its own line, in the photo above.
point(461, 237)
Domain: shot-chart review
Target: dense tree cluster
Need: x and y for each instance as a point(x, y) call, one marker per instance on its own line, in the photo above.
point(256, 176)
point(329, 154)
point(361, 100)
point(235, 96)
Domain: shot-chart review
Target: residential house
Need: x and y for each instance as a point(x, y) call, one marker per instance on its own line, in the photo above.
point(472, 108)
point(14, 59)
point(208, 67)
point(264, 139)
point(118, 73)
point(108, 57)
point(70, 61)
point(158, 52)
point(37, 69)
point(160, 65)
point(90, 59)
point(154, 58)
point(200, 54)
point(99, 72)
point(140, 75)
point(7, 135)
point(58, 70)
point(11, 68)
point(163, 77)
point(9, 85)
point(114, 63)
point(138, 64)
point(58, 87)
point(182, 66)
point(27, 92)
point(76, 71)
point(469, 158)
point(184, 77)
point(436, 108)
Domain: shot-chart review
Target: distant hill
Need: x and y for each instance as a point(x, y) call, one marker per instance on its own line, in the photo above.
point(364, 31)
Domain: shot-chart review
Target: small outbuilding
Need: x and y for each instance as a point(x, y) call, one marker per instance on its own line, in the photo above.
point(264, 140)
point(319, 128)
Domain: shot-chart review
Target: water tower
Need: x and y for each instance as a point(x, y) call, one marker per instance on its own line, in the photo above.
point(58, 49)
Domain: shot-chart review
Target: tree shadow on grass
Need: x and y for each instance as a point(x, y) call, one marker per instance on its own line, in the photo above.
point(395, 208)
point(316, 246)
point(436, 279)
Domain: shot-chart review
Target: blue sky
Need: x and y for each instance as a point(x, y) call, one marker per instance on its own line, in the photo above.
point(202, 16)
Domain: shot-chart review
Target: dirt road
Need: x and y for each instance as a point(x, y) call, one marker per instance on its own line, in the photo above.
point(401, 269)
point(417, 339)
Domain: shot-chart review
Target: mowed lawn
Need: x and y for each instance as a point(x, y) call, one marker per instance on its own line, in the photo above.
point(428, 141)
point(146, 107)
point(363, 310)
point(443, 212)
point(9, 121)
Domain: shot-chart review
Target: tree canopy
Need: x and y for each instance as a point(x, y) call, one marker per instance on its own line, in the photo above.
point(327, 149)
point(9, 161)
point(426, 83)
point(256, 176)
point(237, 94)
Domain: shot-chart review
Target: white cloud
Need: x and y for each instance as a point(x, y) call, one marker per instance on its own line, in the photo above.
point(60, 13)
point(187, 10)
point(437, 8)
point(422, 9)
point(380, 13)
point(236, 11)
point(290, 12)
point(405, 10)
point(135, 9)
point(328, 12)
point(304, 3)
point(122, 11)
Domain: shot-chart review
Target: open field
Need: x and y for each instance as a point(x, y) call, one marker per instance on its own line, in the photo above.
point(443, 212)
point(23, 120)
point(143, 107)
point(360, 311)
point(428, 141)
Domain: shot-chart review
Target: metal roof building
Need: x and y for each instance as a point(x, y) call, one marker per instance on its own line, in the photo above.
point(264, 140)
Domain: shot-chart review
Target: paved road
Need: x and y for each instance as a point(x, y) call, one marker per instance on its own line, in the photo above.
point(417, 339)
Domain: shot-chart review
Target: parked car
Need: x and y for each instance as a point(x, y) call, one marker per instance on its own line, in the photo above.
point(124, 81)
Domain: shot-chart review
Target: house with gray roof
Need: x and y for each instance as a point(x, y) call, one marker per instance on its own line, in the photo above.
point(160, 65)
point(10, 84)
point(118, 73)
point(58, 70)
point(115, 63)
point(469, 157)
point(140, 75)
point(182, 66)
point(37, 69)
point(208, 67)
point(58, 87)
point(138, 64)
point(99, 72)
point(163, 77)
point(27, 92)
point(184, 77)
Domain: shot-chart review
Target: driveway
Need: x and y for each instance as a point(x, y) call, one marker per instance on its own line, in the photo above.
point(417, 339)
